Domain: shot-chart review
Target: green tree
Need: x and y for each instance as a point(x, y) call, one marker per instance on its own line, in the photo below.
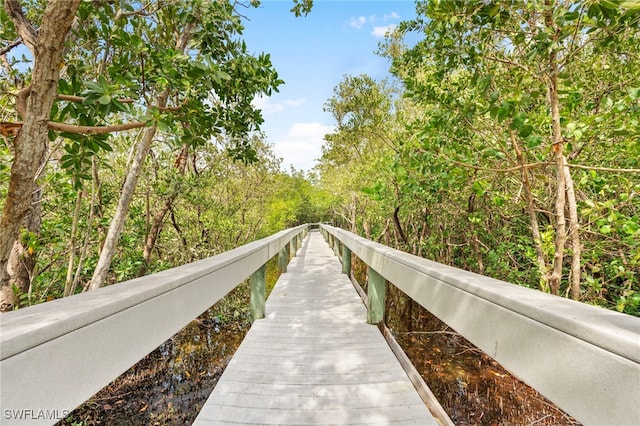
point(162, 67)
point(515, 58)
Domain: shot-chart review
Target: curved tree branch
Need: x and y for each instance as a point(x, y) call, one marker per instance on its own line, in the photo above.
point(12, 129)
point(24, 28)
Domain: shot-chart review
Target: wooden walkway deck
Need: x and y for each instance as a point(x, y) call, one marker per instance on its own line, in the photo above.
point(314, 359)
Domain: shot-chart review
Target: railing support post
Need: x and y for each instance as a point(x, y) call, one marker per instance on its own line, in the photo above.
point(293, 247)
point(346, 260)
point(258, 293)
point(283, 256)
point(376, 295)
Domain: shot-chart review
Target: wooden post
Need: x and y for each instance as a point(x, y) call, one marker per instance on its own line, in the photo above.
point(283, 259)
point(258, 293)
point(293, 246)
point(346, 260)
point(376, 293)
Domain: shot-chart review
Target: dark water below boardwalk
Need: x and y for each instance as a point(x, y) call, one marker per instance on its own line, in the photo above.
point(472, 387)
point(171, 384)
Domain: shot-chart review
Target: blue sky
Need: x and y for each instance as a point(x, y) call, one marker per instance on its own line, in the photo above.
point(312, 54)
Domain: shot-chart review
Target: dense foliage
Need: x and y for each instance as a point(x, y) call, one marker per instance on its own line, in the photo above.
point(510, 146)
point(154, 156)
point(507, 143)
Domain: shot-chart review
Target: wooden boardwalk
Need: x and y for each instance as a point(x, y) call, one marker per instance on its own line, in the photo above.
point(314, 359)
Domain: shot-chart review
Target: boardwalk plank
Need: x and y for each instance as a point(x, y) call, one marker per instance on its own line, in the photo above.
point(313, 359)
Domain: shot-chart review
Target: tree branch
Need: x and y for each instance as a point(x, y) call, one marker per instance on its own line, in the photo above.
point(514, 64)
point(80, 99)
point(14, 128)
point(24, 28)
point(95, 130)
point(507, 170)
point(10, 46)
point(602, 169)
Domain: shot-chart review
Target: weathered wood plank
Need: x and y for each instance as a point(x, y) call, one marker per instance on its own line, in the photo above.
point(314, 359)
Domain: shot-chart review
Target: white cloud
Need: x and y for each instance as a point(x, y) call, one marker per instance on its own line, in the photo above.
point(392, 15)
point(268, 107)
point(302, 145)
point(380, 32)
point(358, 22)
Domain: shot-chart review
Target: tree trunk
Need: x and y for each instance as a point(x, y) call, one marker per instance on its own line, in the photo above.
point(533, 217)
point(574, 233)
point(122, 210)
point(32, 141)
point(158, 218)
point(399, 230)
point(558, 148)
point(68, 282)
point(366, 228)
point(475, 242)
point(95, 189)
point(354, 207)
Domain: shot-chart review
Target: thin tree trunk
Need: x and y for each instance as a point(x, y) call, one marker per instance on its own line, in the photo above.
point(32, 141)
point(158, 218)
point(366, 229)
point(354, 207)
point(574, 233)
point(533, 217)
point(122, 210)
point(396, 222)
point(383, 234)
point(68, 282)
point(475, 243)
point(174, 222)
point(95, 189)
point(558, 148)
point(423, 234)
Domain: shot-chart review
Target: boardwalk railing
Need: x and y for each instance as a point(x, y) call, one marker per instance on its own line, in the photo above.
point(583, 358)
point(56, 355)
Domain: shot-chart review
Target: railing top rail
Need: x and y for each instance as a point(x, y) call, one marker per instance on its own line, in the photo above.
point(584, 358)
point(616, 332)
point(28, 327)
point(55, 355)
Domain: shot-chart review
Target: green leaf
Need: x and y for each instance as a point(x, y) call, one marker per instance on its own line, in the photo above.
point(104, 145)
point(571, 16)
point(630, 227)
point(117, 106)
point(163, 126)
point(91, 99)
point(534, 141)
point(525, 131)
point(93, 87)
point(104, 100)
